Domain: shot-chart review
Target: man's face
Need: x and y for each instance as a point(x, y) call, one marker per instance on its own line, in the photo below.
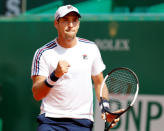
point(68, 26)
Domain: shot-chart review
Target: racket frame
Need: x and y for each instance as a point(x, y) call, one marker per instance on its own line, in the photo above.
point(132, 103)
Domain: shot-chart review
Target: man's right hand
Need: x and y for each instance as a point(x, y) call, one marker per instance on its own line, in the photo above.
point(62, 68)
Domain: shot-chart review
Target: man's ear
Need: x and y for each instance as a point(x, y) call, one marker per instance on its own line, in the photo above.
point(55, 23)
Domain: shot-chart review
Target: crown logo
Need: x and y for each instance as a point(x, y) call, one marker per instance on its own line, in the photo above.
point(113, 28)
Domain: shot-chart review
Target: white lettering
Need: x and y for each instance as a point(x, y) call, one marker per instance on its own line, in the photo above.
point(13, 7)
point(113, 45)
point(146, 115)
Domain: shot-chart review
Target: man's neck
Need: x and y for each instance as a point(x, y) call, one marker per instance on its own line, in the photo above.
point(67, 43)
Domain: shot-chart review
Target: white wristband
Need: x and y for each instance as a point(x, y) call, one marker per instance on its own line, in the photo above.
point(105, 104)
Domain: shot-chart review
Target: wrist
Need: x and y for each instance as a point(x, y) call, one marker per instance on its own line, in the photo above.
point(53, 77)
point(51, 80)
point(104, 105)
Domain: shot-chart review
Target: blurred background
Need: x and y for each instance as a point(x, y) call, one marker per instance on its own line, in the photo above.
point(129, 33)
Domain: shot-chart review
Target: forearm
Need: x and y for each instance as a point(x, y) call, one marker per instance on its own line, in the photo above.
point(98, 79)
point(39, 88)
point(97, 91)
point(98, 83)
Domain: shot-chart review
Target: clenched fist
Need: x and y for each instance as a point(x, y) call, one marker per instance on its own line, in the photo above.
point(62, 68)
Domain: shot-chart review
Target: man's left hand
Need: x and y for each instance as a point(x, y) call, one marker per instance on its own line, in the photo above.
point(112, 118)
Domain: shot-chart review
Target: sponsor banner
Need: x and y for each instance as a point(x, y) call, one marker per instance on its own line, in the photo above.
point(11, 7)
point(137, 45)
point(146, 115)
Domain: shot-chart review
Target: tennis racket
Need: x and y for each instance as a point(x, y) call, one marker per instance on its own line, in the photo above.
point(119, 90)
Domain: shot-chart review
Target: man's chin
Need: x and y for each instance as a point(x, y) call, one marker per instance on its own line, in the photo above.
point(70, 36)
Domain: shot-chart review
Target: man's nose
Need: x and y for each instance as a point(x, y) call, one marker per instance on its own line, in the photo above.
point(70, 23)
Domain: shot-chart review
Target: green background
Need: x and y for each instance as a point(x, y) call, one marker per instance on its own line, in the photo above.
point(20, 39)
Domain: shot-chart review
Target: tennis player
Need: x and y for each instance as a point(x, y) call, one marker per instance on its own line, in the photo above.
point(62, 73)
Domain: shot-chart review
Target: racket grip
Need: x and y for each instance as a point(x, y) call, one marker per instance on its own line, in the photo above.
point(110, 125)
point(106, 126)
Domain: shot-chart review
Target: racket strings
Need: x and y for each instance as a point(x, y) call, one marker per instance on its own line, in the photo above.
point(123, 76)
point(121, 86)
point(122, 82)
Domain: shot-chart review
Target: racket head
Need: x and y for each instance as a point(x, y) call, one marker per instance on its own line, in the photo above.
point(120, 88)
